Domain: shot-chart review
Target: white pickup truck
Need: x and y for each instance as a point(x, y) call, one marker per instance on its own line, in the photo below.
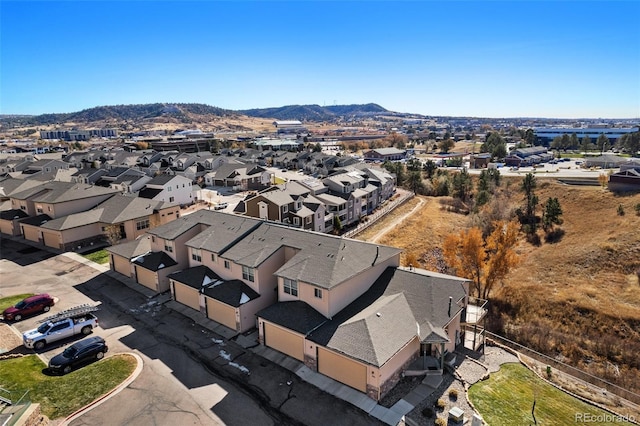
point(60, 326)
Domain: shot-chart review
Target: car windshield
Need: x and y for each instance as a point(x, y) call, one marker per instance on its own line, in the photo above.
point(44, 328)
point(70, 352)
point(21, 304)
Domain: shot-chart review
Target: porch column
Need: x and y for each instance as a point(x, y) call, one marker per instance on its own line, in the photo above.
point(442, 356)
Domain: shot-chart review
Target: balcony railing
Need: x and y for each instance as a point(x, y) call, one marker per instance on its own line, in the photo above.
point(476, 310)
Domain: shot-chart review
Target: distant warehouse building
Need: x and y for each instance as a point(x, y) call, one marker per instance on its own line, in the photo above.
point(78, 135)
point(290, 126)
point(545, 135)
point(523, 157)
point(385, 154)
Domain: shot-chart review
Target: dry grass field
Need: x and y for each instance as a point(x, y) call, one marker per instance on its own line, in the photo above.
point(577, 299)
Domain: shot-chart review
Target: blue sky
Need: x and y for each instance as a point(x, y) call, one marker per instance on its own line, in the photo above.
point(565, 59)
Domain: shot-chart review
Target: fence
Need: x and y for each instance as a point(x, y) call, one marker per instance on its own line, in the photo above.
point(15, 410)
point(373, 218)
point(566, 368)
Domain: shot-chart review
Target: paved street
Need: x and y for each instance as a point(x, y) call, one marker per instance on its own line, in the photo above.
point(190, 374)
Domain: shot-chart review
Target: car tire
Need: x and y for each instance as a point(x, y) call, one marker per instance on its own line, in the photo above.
point(100, 355)
point(47, 308)
point(39, 345)
point(86, 330)
point(17, 317)
point(66, 370)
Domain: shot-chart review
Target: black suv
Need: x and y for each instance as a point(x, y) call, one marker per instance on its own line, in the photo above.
point(79, 353)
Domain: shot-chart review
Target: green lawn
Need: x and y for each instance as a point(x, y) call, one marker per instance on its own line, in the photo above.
point(507, 396)
point(8, 301)
point(60, 396)
point(100, 256)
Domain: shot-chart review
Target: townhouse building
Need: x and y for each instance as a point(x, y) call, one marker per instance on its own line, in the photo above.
point(343, 307)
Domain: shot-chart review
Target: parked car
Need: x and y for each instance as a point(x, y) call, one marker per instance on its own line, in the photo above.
point(79, 353)
point(65, 324)
point(30, 306)
point(221, 206)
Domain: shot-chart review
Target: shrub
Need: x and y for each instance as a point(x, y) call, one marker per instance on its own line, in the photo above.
point(441, 422)
point(620, 210)
point(637, 209)
point(453, 394)
point(440, 403)
point(428, 412)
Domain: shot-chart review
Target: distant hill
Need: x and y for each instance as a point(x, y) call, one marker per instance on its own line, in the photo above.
point(315, 112)
point(185, 113)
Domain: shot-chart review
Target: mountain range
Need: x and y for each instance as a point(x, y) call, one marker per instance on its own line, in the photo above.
point(188, 113)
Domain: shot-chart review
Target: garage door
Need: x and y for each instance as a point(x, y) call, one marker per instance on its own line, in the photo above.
point(343, 369)
point(283, 340)
point(31, 233)
point(121, 265)
point(187, 295)
point(147, 278)
point(221, 313)
point(51, 240)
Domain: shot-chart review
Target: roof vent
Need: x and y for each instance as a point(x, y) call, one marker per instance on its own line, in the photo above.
point(378, 314)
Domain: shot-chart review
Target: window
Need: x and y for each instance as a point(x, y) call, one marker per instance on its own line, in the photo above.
point(227, 264)
point(247, 273)
point(153, 239)
point(285, 208)
point(169, 189)
point(196, 255)
point(39, 210)
point(213, 257)
point(142, 224)
point(317, 293)
point(296, 221)
point(168, 247)
point(171, 199)
point(308, 220)
point(23, 207)
point(291, 287)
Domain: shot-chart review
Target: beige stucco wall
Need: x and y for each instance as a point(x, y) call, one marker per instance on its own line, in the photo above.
point(266, 282)
point(222, 313)
point(342, 369)
point(283, 340)
point(306, 292)
point(248, 311)
point(346, 292)
point(80, 233)
point(180, 253)
point(187, 295)
point(454, 325)
point(396, 362)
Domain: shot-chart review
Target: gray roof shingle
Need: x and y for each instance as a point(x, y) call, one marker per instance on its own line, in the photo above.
point(320, 259)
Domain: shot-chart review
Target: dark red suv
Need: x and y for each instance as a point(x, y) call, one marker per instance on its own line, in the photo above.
point(29, 306)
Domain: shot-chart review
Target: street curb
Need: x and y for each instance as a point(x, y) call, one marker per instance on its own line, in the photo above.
point(109, 394)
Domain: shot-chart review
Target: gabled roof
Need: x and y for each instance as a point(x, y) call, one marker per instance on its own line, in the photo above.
point(409, 304)
point(117, 209)
point(204, 218)
point(296, 316)
point(36, 220)
point(11, 186)
point(59, 192)
point(220, 235)
point(321, 259)
point(233, 293)
point(12, 214)
point(132, 249)
point(155, 261)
